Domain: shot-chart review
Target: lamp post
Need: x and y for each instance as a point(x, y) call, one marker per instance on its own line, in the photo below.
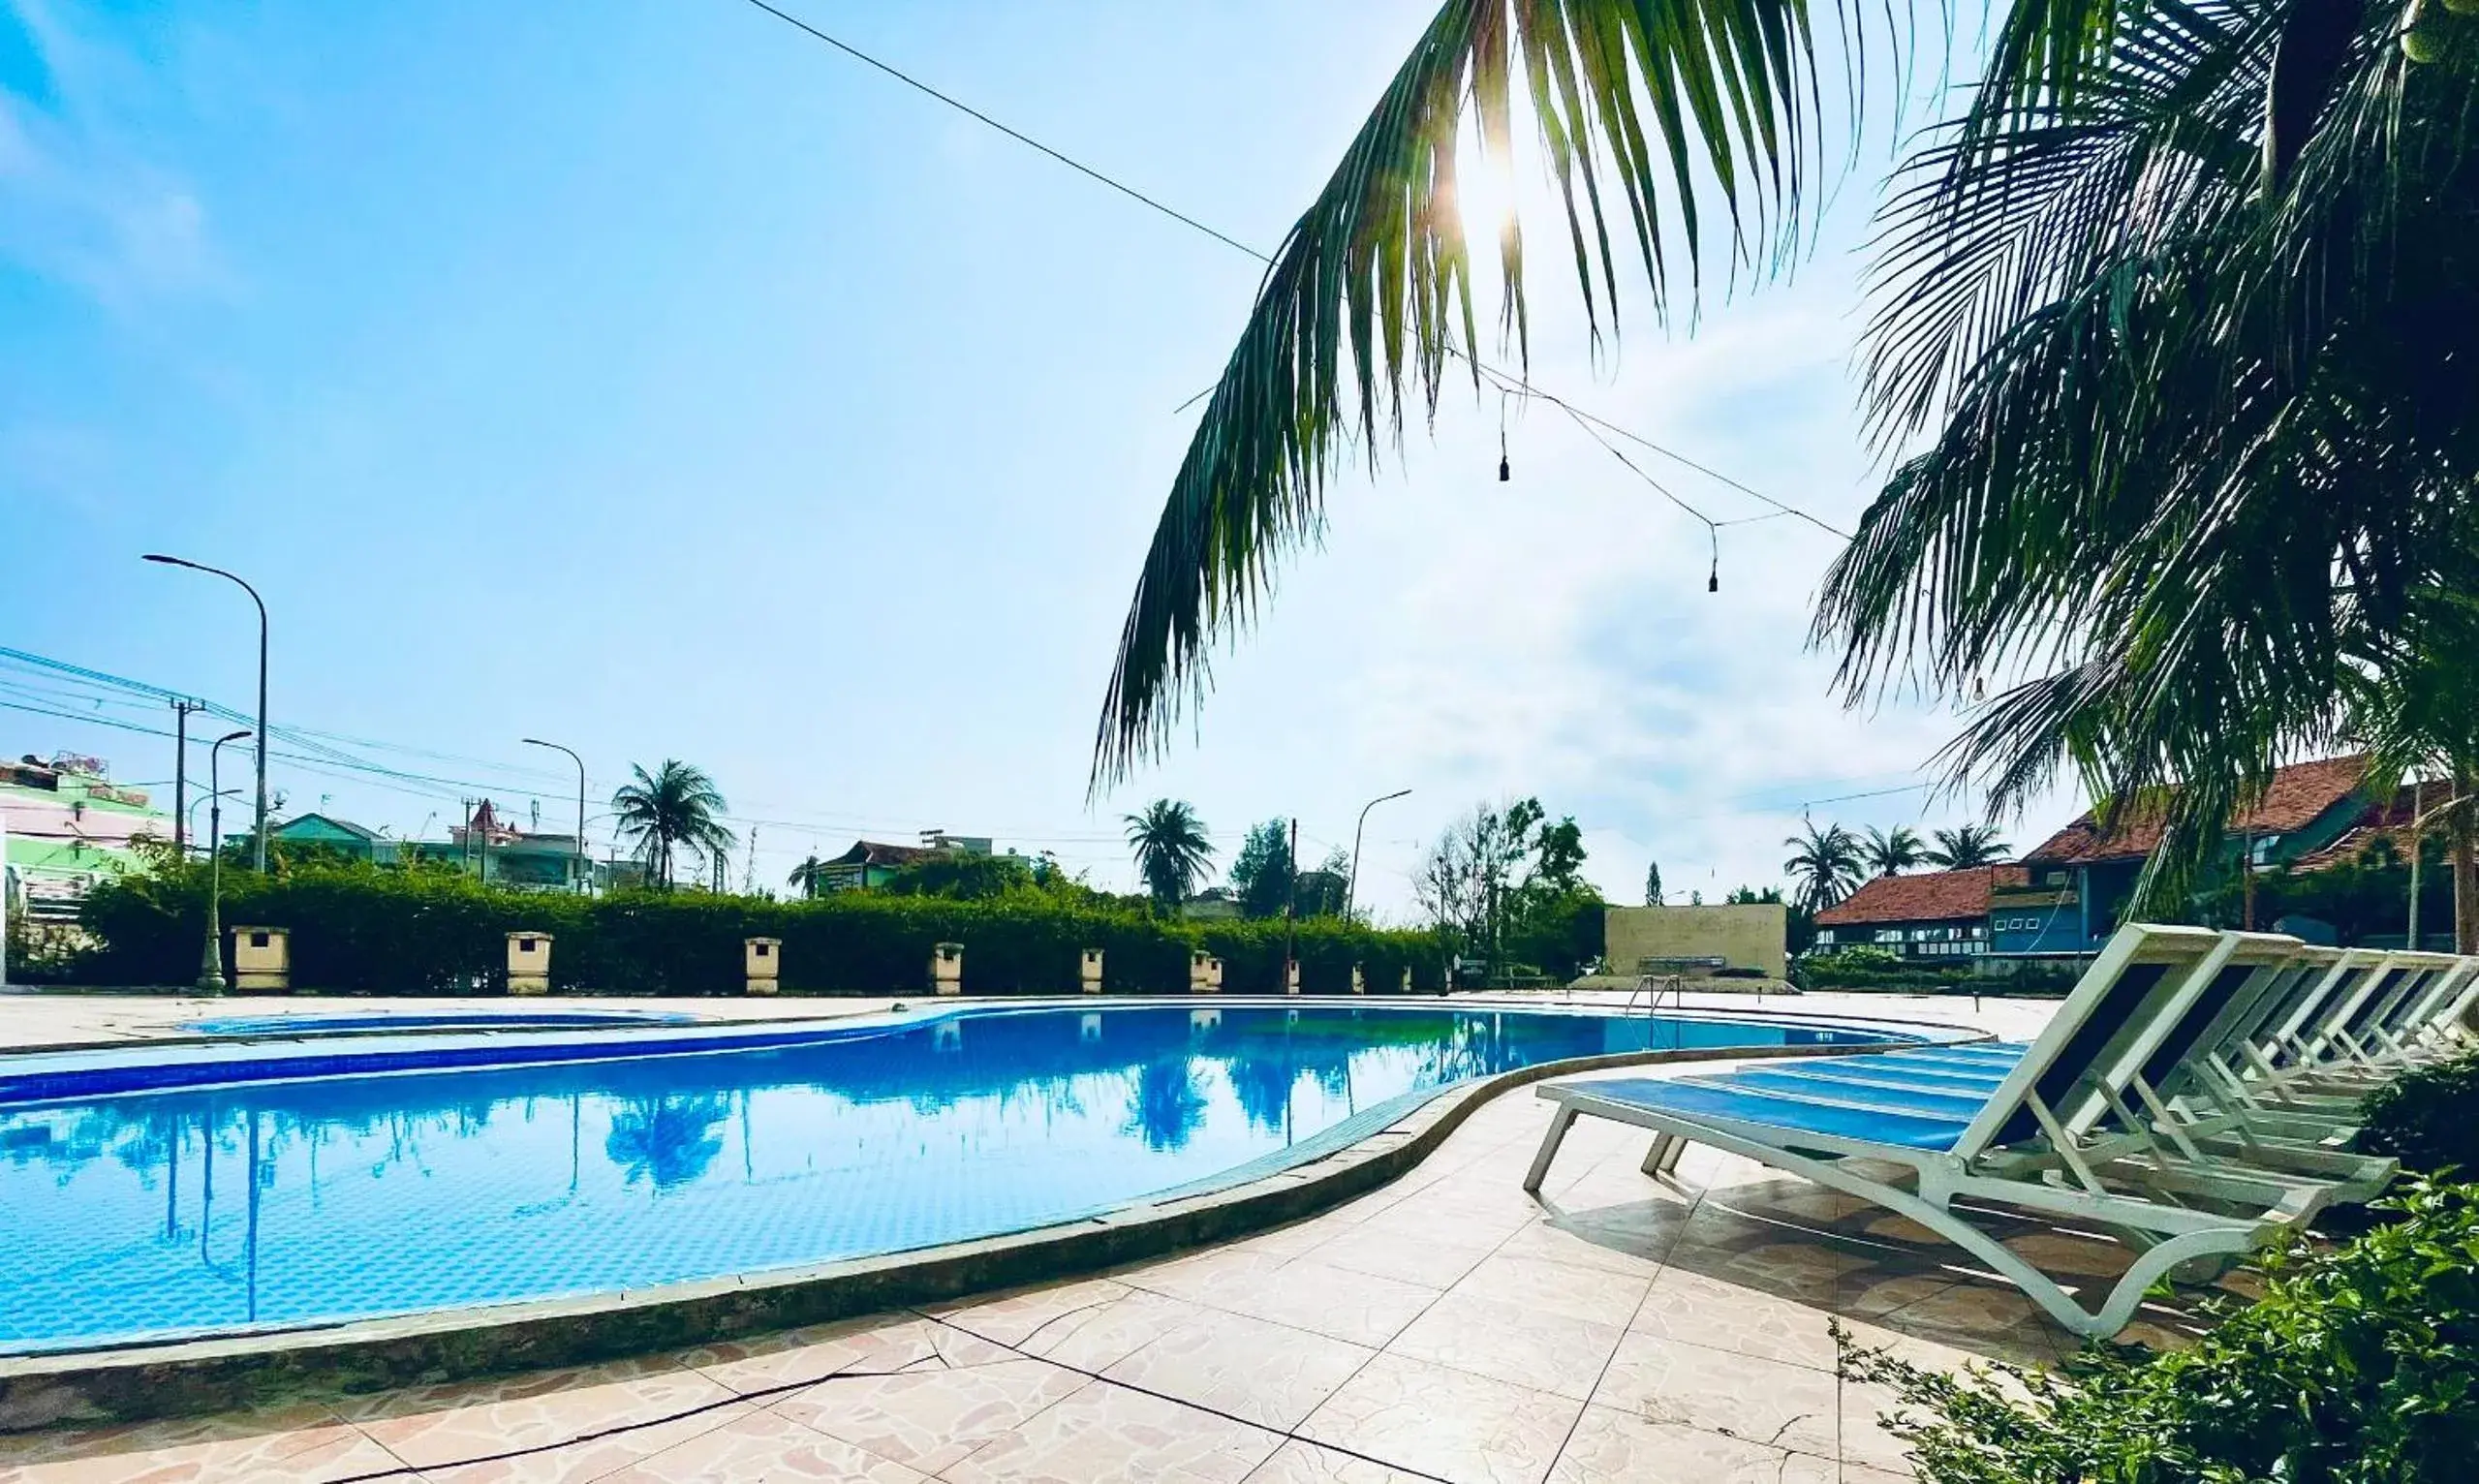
point(1351, 890)
point(581, 801)
point(259, 829)
point(210, 963)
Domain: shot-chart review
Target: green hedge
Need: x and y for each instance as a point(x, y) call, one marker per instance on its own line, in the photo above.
point(360, 931)
point(1862, 970)
point(2428, 1119)
point(2359, 1364)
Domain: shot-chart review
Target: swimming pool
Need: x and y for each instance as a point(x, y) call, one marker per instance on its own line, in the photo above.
point(154, 1194)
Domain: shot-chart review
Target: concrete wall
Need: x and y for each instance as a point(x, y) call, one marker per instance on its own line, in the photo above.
point(1753, 935)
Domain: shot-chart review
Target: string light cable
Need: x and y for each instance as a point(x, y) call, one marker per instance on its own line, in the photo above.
point(1522, 387)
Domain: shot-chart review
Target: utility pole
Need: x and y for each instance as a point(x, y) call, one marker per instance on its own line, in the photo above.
point(181, 775)
point(1291, 907)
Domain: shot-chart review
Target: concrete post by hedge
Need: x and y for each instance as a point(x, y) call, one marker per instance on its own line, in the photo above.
point(1200, 976)
point(262, 960)
point(1089, 971)
point(763, 959)
point(1359, 981)
point(529, 963)
point(947, 968)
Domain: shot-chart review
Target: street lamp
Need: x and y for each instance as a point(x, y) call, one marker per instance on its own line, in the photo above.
point(260, 828)
point(210, 963)
point(581, 801)
point(1351, 890)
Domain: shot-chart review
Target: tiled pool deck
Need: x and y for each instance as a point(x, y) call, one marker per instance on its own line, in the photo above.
point(1445, 1327)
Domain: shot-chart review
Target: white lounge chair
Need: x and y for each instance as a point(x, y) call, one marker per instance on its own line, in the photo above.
point(2010, 1145)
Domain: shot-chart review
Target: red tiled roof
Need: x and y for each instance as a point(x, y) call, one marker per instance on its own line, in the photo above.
point(1940, 896)
point(2300, 793)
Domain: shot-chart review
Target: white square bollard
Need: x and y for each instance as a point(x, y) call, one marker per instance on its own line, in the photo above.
point(947, 968)
point(1089, 971)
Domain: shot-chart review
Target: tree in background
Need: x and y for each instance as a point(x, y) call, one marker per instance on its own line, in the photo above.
point(1261, 872)
point(1321, 890)
point(1960, 849)
point(1827, 864)
point(810, 875)
point(1892, 855)
point(674, 808)
point(1653, 883)
point(1507, 884)
point(1173, 850)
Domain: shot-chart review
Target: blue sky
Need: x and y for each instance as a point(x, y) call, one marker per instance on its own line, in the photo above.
point(651, 378)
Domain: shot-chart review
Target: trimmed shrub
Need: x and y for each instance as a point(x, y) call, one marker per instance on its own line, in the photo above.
point(359, 929)
point(2357, 1365)
point(2428, 1118)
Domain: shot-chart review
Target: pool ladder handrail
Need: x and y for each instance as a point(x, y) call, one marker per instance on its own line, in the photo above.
point(1656, 985)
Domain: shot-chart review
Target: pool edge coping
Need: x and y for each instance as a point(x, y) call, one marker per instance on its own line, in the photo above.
point(242, 1372)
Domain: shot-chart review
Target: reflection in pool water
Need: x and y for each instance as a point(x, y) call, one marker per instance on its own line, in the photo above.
point(342, 1197)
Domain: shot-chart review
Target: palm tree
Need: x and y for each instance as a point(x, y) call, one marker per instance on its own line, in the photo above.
point(1173, 850)
point(673, 807)
point(1828, 864)
point(1971, 844)
point(1892, 855)
point(810, 875)
point(2175, 293)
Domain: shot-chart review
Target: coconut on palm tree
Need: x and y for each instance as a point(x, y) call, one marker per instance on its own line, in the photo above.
point(1173, 850)
point(1964, 847)
point(674, 808)
point(1826, 863)
point(1892, 855)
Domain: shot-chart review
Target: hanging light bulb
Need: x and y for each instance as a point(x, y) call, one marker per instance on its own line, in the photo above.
point(1713, 579)
point(1505, 471)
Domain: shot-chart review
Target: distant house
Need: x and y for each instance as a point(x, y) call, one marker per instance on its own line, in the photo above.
point(1939, 916)
point(354, 842)
point(874, 862)
point(868, 863)
point(2081, 876)
point(69, 828)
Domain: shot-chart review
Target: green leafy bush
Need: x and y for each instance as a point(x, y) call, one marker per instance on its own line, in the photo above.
point(2359, 1364)
point(2428, 1119)
point(360, 930)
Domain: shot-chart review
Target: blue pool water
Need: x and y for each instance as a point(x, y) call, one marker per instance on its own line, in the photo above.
point(223, 1201)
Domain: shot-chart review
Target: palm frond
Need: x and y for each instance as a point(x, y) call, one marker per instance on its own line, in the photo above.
point(1369, 298)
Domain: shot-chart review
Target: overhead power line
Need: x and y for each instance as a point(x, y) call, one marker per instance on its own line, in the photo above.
point(1518, 386)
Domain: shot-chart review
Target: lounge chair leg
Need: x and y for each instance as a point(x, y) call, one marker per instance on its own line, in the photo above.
point(1663, 1156)
point(1559, 1123)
